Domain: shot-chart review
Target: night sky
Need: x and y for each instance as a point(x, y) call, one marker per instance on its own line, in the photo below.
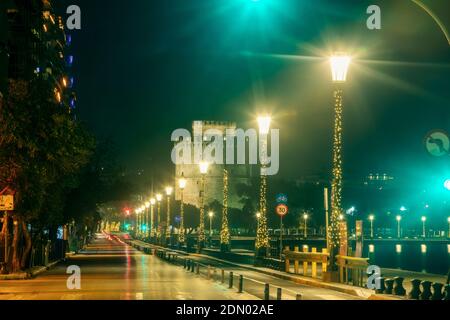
point(144, 68)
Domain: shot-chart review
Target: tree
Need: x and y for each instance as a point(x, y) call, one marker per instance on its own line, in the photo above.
point(42, 149)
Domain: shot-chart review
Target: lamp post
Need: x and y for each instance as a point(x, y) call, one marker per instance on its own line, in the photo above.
point(201, 228)
point(262, 234)
point(225, 230)
point(181, 235)
point(305, 218)
point(152, 217)
point(147, 206)
point(398, 218)
point(339, 66)
point(168, 229)
point(210, 215)
point(424, 219)
point(136, 231)
point(371, 218)
point(158, 219)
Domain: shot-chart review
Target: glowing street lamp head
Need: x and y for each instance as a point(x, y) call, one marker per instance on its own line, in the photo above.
point(424, 219)
point(159, 197)
point(210, 214)
point(152, 201)
point(305, 216)
point(182, 183)
point(448, 219)
point(147, 204)
point(204, 167)
point(169, 190)
point(447, 184)
point(371, 217)
point(402, 208)
point(398, 218)
point(339, 67)
point(264, 124)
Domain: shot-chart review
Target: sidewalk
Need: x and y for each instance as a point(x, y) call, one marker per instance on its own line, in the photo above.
point(33, 271)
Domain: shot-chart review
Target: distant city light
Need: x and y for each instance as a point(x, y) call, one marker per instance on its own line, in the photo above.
point(402, 208)
point(423, 248)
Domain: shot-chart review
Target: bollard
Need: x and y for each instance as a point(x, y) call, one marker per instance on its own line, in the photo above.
point(426, 290)
point(185, 264)
point(389, 286)
point(415, 290)
point(192, 266)
point(437, 291)
point(447, 292)
point(266, 292)
point(241, 283)
point(223, 275)
point(279, 293)
point(230, 280)
point(382, 286)
point(298, 296)
point(398, 286)
point(198, 268)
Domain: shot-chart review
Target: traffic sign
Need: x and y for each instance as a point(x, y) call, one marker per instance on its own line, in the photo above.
point(282, 210)
point(282, 198)
point(7, 203)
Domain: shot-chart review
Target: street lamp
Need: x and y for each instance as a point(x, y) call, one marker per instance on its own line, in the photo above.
point(158, 214)
point(210, 215)
point(168, 193)
point(305, 217)
point(339, 67)
point(225, 237)
point(201, 232)
point(398, 218)
point(423, 226)
point(137, 211)
point(152, 217)
point(147, 205)
point(262, 234)
point(447, 184)
point(182, 184)
point(371, 218)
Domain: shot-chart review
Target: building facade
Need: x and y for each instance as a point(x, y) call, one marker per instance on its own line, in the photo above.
point(33, 44)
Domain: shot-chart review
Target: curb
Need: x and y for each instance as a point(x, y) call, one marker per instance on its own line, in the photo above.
point(27, 275)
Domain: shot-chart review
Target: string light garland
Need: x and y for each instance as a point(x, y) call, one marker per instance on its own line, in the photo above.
point(336, 185)
point(262, 234)
point(201, 231)
point(225, 231)
point(181, 235)
point(158, 227)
